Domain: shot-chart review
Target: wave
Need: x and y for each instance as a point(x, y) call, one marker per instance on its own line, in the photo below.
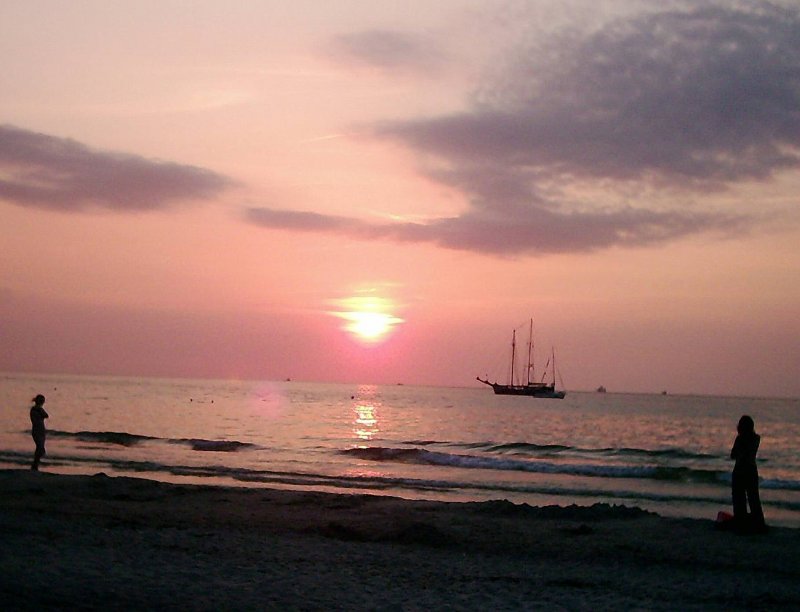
point(669, 453)
point(781, 484)
point(224, 446)
point(106, 437)
point(389, 484)
point(439, 489)
point(427, 457)
point(652, 472)
point(128, 439)
point(513, 456)
point(523, 448)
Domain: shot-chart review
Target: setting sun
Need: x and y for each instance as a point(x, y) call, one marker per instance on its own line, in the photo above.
point(370, 326)
point(367, 318)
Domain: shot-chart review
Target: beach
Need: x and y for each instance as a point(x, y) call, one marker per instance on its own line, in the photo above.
point(92, 542)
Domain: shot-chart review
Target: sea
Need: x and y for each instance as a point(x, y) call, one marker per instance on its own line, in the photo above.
point(668, 454)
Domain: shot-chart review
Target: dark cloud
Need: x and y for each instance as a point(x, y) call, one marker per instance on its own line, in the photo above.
point(648, 113)
point(303, 221)
point(389, 50)
point(708, 95)
point(538, 231)
point(61, 174)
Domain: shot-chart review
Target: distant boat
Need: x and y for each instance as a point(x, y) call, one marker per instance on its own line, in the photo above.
point(530, 388)
point(601, 389)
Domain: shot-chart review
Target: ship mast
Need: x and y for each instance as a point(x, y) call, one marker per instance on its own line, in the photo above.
point(513, 356)
point(530, 354)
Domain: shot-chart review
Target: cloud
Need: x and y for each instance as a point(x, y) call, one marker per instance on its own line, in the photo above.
point(389, 50)
point(539, 231)
point(44, 171)
point(616, 135)
point(707, 96)
point(304, 221)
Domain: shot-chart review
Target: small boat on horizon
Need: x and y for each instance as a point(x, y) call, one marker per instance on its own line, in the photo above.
point(530, 388)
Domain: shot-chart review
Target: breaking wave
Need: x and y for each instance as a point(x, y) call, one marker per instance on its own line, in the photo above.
point(527, 448)
point(128, 439)
point(375, 483)
point(104, 437)
point(427, 457)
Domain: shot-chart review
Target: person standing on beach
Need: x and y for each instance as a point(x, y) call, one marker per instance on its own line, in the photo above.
point(744, 482)
point(38, 415)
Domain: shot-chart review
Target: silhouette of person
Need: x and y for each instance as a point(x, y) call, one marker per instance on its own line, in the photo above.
point(744, 481)
point(38, 415)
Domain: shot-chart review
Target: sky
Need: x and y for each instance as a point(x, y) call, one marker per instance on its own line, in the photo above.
point(382, 192)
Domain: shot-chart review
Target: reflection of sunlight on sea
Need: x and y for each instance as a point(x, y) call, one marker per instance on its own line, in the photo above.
point(366, 426)
point(365, 409)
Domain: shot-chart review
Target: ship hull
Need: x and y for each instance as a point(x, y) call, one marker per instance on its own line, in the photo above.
point(543, 391)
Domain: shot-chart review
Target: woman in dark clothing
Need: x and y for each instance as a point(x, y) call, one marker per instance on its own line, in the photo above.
point(38, 415)
point(744, 483)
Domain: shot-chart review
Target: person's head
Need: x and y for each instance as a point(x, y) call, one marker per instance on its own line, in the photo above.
point(746, 425)
point(39, 400)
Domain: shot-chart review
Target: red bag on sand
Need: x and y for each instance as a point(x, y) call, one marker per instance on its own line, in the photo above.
point(724, 517)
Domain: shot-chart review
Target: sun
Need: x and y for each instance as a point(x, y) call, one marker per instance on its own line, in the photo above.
point(369, 326)
point(367, 318)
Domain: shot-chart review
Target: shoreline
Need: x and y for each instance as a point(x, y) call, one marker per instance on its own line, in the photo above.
point(91, 542)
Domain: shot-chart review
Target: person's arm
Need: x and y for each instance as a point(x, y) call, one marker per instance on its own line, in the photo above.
point(752, 449)
point(735, 450)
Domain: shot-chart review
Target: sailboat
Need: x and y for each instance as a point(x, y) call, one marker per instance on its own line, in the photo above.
point(530, 388)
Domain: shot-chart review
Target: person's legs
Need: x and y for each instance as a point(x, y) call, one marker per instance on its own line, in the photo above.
point(739, 495)
point(753, 498)
point(38, 453)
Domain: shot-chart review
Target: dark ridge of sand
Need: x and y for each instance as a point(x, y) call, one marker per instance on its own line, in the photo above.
point(94, 542)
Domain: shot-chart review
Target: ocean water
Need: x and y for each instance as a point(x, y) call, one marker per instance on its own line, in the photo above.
point(668, 454)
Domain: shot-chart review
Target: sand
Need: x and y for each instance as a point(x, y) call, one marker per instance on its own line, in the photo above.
point(95, 542)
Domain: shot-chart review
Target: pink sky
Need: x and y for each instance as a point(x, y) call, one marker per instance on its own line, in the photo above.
point(208, 189)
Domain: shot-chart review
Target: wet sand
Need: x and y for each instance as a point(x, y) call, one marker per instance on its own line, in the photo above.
point(95, 542)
